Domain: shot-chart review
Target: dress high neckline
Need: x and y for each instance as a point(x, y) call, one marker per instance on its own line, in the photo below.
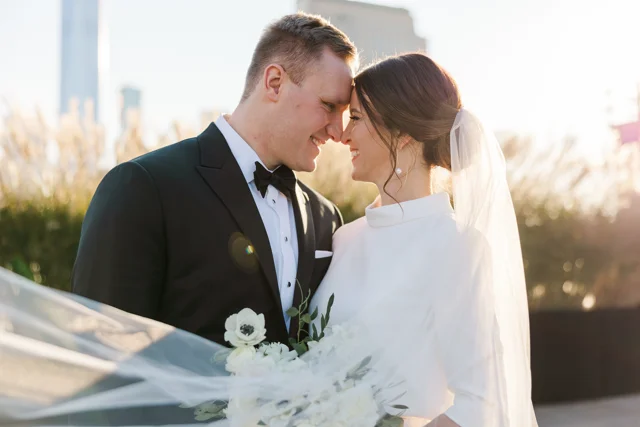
point(394, 214)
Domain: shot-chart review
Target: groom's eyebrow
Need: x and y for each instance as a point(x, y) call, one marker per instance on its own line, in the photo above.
point(344, 102)
point(341, 103)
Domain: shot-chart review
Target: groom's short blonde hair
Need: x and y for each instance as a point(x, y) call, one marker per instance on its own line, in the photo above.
point(295, 42)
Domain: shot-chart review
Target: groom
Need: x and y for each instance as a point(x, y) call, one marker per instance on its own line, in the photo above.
point(194, 232)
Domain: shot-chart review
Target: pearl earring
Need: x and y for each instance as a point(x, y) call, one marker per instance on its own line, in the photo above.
point(398, 171)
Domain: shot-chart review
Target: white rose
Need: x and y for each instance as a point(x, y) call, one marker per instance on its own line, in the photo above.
point(347, 384)
point(314, 421)
point(277, 414)
point(245, 328)
point(292, 366)
point(242, 413)
point(357, 406)
point(239, 358)
point(313, 417)
point(258, 366)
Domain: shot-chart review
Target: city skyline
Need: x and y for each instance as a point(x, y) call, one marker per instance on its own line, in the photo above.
point(80, 68)
point(540, 67)
point(376, 30)
point(130, 101)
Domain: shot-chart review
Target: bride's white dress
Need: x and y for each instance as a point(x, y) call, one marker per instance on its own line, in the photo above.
point(408, 261)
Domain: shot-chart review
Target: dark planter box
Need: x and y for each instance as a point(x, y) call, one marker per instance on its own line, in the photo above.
point(577, 355)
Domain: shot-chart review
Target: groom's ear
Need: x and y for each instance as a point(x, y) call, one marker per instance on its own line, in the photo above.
point(273, 79)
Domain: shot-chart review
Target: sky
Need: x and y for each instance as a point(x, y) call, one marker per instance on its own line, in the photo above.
point(529, 66)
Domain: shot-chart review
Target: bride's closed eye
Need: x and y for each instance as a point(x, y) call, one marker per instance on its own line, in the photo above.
point(354, 118)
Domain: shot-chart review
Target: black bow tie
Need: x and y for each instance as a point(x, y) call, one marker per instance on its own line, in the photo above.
point(282, 179)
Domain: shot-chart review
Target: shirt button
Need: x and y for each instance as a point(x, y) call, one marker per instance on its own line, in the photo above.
point(289, 285)
point(274, 201)
point(286, 239)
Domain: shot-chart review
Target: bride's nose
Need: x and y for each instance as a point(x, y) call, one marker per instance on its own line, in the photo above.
point(346, 136)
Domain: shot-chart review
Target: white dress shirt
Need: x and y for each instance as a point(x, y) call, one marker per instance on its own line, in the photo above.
point(276, 211)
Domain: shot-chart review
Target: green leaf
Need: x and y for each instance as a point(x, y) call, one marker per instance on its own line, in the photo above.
point(314, 315)
point(331, 299)
point(323, 322)
point(205, 416)
point(400, 407)
point(306, 318)
point(315, 332)
point(300, 348)
point(327, 315)
point(292, 341)
point(293, 312)
point(390, 421)
point(360, 370)
point(364, 362)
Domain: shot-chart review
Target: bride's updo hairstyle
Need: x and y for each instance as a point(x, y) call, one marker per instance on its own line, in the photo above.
point(411, 95)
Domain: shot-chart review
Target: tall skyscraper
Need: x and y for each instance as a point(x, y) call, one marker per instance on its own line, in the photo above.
point(376, 30)
point(129, 104)
point(80, 56)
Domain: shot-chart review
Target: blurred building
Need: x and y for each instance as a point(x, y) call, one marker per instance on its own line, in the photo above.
point(628, 135)
point(80, 54)
point(377, 31)
point(129, 106)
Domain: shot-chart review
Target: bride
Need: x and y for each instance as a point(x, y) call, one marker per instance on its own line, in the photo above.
point(429, 301)
point(454, 279)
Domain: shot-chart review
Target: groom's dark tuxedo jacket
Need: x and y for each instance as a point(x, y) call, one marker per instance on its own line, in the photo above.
point(175, 236)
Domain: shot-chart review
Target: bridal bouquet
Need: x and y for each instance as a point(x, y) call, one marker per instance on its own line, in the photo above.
point(344, 402)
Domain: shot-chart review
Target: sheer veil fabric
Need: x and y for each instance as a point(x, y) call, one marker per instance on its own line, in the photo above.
point(67, 360)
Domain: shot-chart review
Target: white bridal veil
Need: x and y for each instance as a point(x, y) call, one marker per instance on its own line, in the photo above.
point(66, 360)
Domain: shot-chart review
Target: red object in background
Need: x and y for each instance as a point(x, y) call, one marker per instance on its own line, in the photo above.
point(629, 132)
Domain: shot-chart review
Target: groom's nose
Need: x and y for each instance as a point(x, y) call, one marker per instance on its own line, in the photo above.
point(334, 128)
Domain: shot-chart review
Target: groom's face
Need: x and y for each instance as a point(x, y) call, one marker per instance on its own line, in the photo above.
point(311, 112)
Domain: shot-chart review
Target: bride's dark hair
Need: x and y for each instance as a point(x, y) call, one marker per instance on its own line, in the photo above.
point(411, 95)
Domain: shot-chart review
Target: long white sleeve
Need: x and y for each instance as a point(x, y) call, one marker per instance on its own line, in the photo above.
point(467, 338)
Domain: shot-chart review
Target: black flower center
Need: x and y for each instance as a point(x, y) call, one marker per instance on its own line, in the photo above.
point(247, 329)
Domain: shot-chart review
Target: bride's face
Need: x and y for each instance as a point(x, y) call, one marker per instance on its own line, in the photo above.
point(369, 154)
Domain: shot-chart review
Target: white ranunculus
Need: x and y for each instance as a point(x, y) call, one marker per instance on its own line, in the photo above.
point(239, 358)
point(280, 353)
point(245, 328)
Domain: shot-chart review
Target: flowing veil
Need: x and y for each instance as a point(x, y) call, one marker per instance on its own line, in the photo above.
point(483, 205)
point(67, 360)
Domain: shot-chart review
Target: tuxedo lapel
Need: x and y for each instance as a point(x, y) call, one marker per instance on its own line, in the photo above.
point(306, 250)
point(220, 170)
